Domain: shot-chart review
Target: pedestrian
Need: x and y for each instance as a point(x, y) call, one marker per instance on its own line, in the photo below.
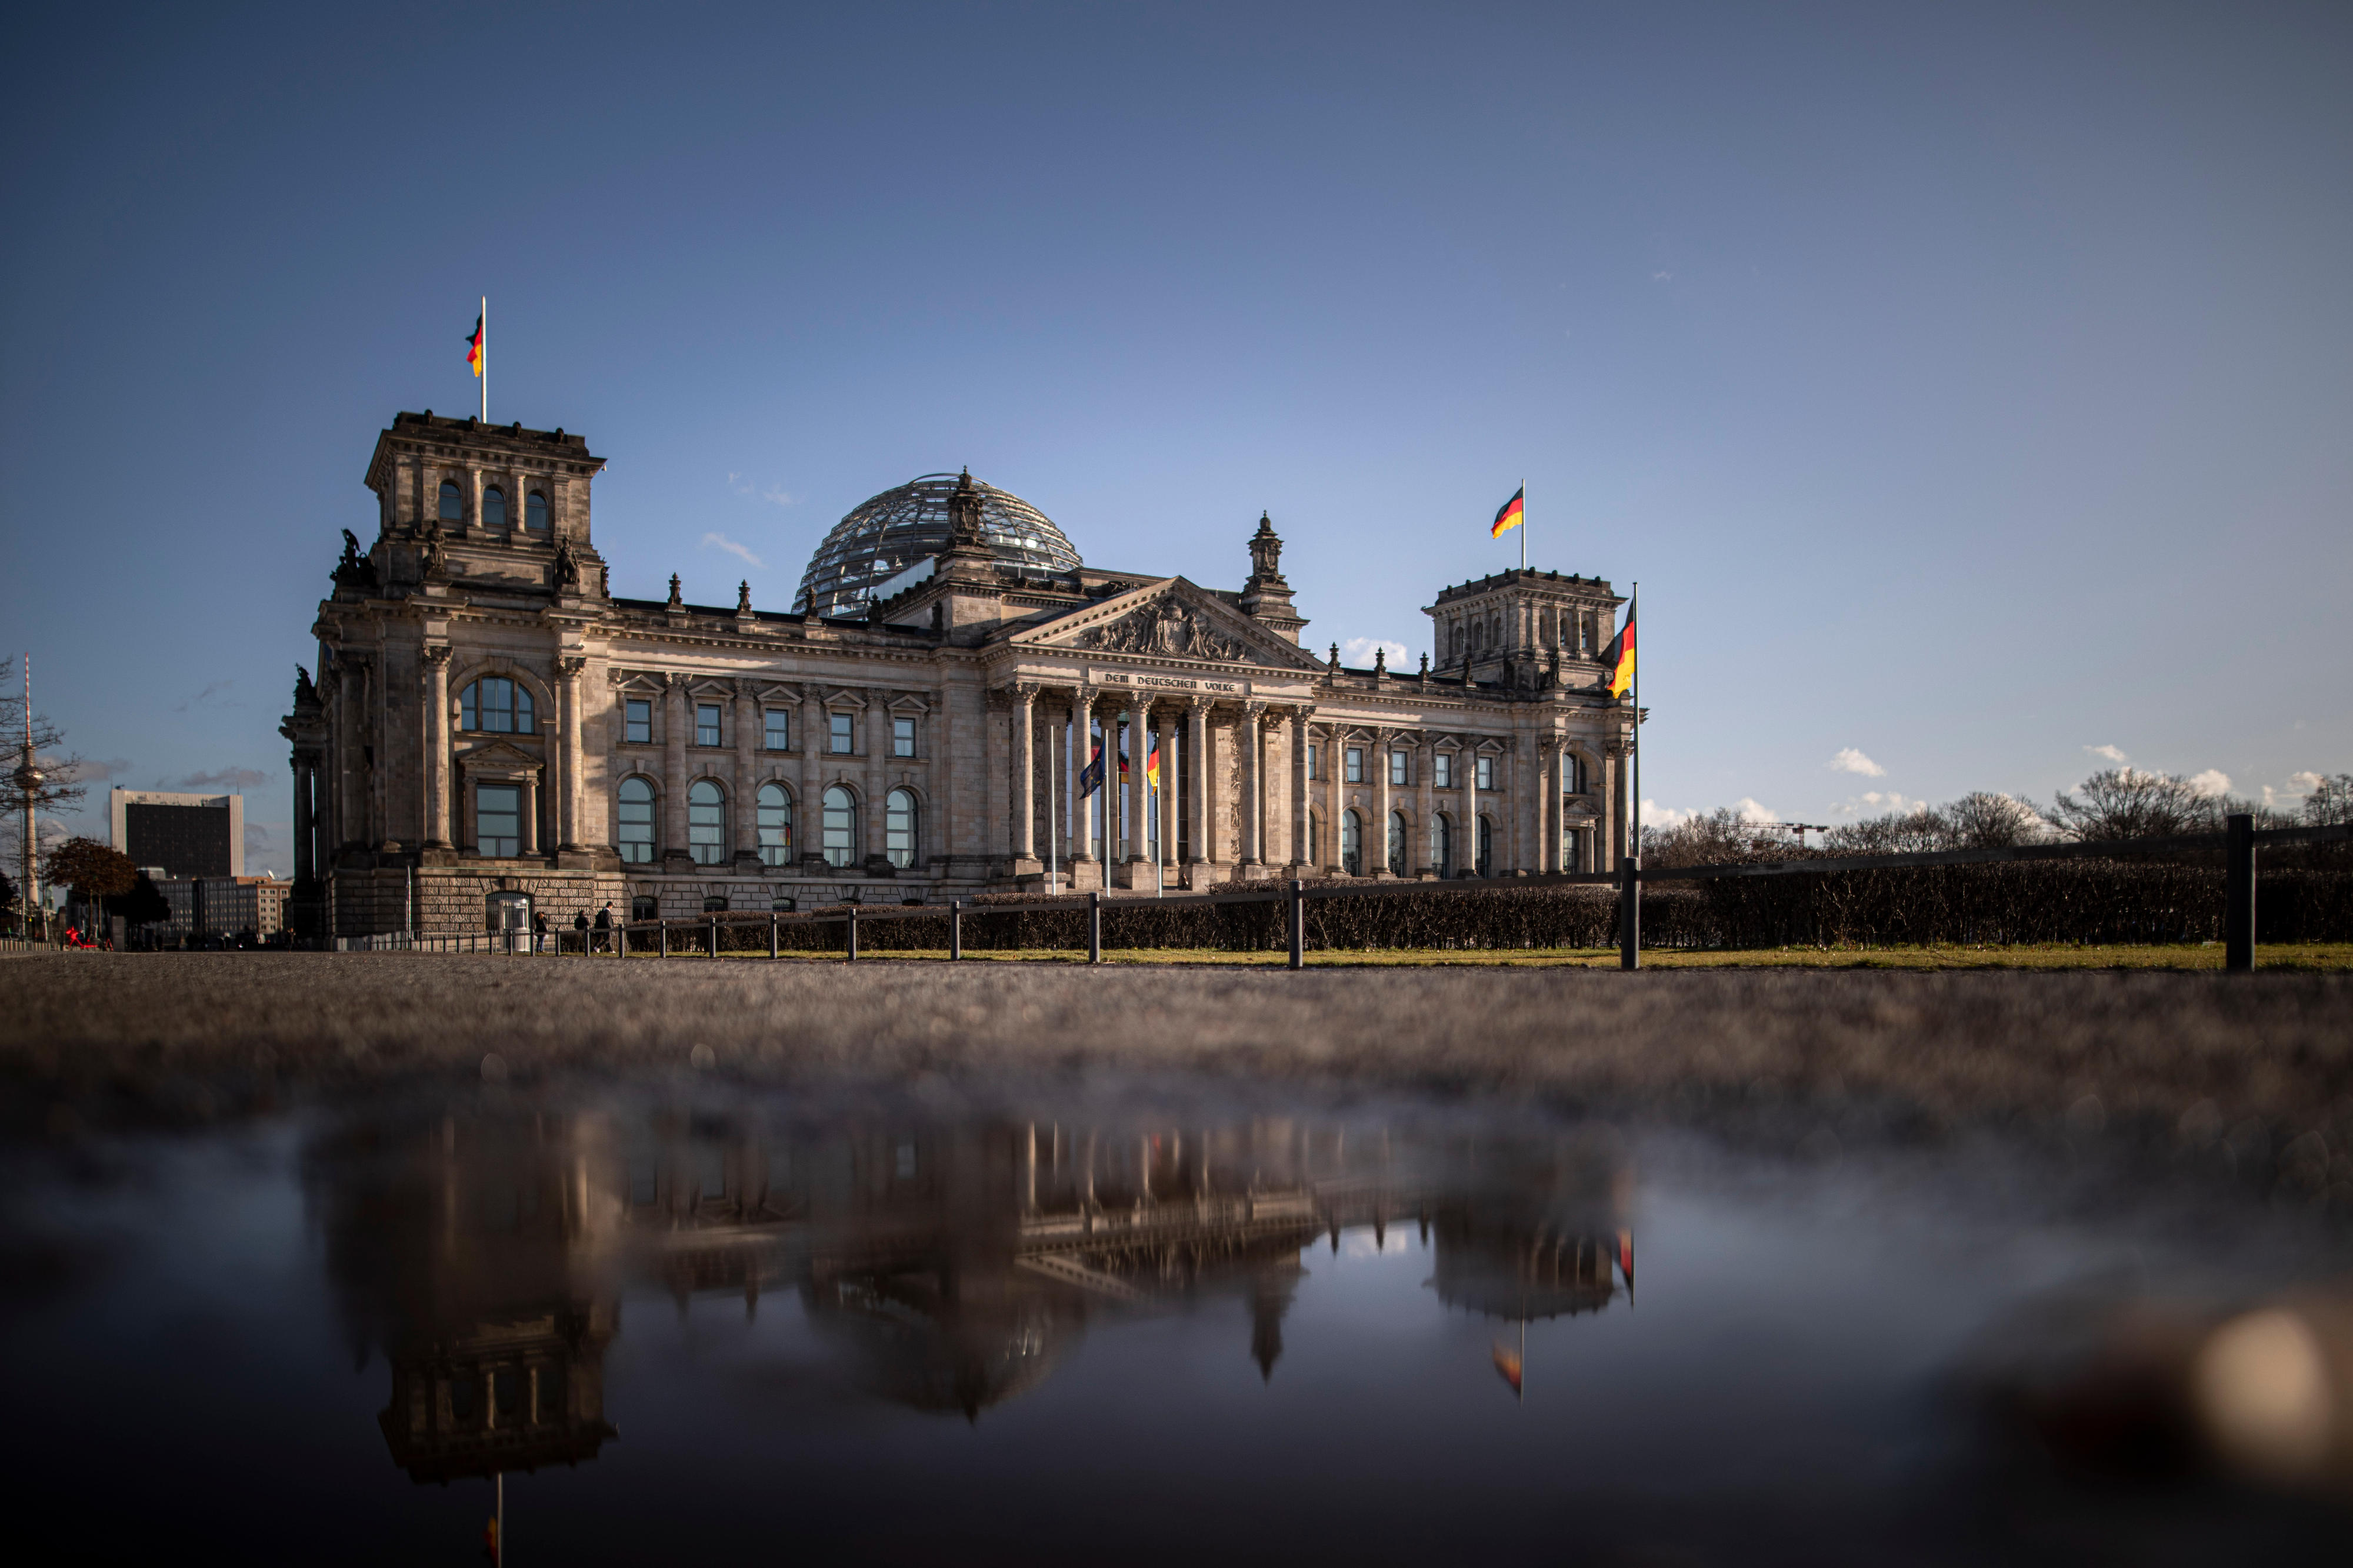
point(604, 926)
point(539, 932)
point(580, 924)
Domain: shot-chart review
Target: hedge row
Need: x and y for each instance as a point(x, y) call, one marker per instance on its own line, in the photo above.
point(2087, 901)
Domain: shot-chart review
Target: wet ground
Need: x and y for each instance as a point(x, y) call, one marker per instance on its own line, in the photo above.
point(1077, 1315)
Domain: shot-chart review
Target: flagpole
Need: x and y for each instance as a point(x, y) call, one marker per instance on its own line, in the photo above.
point(1523, 525)
point(486, 359)
point(1630, 954)
point(1053, 764)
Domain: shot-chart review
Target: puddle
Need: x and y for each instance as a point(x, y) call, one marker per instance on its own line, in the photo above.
point(1139, 1324)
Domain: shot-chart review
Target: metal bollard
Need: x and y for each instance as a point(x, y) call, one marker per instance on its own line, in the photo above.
point(2239, 893)
point(1629, 912)
point(713, 922)
point(663, 926)
point(955, 929)
point(853, 933)
point(1094, 928)
point(772, 933)
point(1298, 923)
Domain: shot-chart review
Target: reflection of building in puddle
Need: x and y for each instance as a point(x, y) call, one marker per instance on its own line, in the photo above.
point(467, 1253)
point(953, 1266)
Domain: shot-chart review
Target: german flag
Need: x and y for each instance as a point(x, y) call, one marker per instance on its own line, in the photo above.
point(1515, 513)
point(1619, 656)
point(1152, 766)
point(474, 348)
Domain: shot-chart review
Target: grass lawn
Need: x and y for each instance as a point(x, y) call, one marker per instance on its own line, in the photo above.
point(2317, 957)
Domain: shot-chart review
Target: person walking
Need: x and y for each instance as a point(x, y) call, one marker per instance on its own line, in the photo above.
point(580, 924)
point(604, 926)
point(539, 932)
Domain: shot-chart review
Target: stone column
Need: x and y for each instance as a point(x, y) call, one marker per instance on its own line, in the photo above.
point(808, 807)
point(1466, 853)
point(1247, 736)
point(1025, 773)
point(876, 772)
point(568, 669)
point(1164, 734)
point(529, 827)
point(305, 865)
point(675, 722)
point(745, 838)
point(1197, 768)
point(436, 749)
point(1077, 822)
point(1336, 769)
point(1139, 813)
point(1425, 863)
point(1299, 862)
point(351, 808)
point(1377, 853)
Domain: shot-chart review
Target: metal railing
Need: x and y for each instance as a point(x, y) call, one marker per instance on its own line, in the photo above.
point(700, 936)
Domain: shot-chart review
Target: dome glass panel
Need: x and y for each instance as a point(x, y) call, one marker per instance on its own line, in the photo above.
point(883, 537)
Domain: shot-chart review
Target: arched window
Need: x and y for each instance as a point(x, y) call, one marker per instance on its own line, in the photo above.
point(1442, 843)
point(494, 508)
point(534, 512)
point(776, 825)
point(706, 823)
point(1352, 847)
point(453, 506)
point(497, 705)
point(841, 830)
point(644, 906)
point(1486, 847)
point(634, 822)
point(899, 827)
point(1397, 844)
point(1314, 840)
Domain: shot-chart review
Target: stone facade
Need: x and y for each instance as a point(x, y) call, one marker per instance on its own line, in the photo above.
point(487, 718)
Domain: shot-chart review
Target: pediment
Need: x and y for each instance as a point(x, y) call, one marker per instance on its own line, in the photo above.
point(498, 754)
point(1170, 619)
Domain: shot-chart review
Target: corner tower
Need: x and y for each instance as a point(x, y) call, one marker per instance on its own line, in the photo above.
point(459, 498)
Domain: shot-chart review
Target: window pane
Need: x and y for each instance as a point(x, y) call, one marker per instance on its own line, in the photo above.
point(645, 907)
point(776, 825)
point(899, 828)
point(1351, 844)
point(1398, 768)
point(839, 739)
point(706, 823)
point(1355, 773)
point(468, 715)
point(1486, 766)
point(498, 819)
point(522, 719)
point(640, 720)
point(534, 512)
point(780, 737)
point(706, 723)
point(1397, 844)
point(1313, 770)
point(636, 825)
point(1441, 769)
point(841, 827)
point(452, 508)
point(494, 508)
point(903, 737)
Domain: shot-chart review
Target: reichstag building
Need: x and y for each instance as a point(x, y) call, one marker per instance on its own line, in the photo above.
point(490, 728)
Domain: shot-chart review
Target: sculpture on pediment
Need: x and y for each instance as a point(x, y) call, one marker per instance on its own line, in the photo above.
point(1168, 628)
point(355, 569)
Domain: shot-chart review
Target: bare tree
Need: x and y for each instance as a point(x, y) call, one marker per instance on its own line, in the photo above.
point(1983, 820)
point(1913, 832)
point(1718, 837)
point(2125, 802)
point(2330, 802)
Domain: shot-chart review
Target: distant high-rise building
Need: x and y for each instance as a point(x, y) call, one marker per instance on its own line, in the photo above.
point(186, 835)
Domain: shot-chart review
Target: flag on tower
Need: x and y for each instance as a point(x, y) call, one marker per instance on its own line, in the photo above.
point(1515, 512)
point(1619, 656)
point(474, 348)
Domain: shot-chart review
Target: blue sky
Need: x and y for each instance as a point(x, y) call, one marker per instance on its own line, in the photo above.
point(1968, 387)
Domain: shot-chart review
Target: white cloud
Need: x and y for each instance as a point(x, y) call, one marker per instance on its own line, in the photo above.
point(2304, 783)
point(1662, 277)
point(1749, 811)
point(742, 553)
point(1878, 803)
point(1850, 761)
point(1359, 651)
point(774, 495)
point(2211, 784)
point(226, 779)
point(1657, 815)
point(2112, 753)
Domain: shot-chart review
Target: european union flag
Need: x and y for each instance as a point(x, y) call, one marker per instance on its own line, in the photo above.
point(1090, 776)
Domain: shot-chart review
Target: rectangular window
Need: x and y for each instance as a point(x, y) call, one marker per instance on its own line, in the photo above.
point(1441, 769)
point(1353, 765)
point(839, 742)
point(706, 723)
point(498, 819)
point(1398, 768)
point(780, 737)
point(637, 720)
point(1486, 773)
point(903, 737)
point(1315, 771)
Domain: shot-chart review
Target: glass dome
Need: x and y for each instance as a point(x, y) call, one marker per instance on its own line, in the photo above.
point(884, 538)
